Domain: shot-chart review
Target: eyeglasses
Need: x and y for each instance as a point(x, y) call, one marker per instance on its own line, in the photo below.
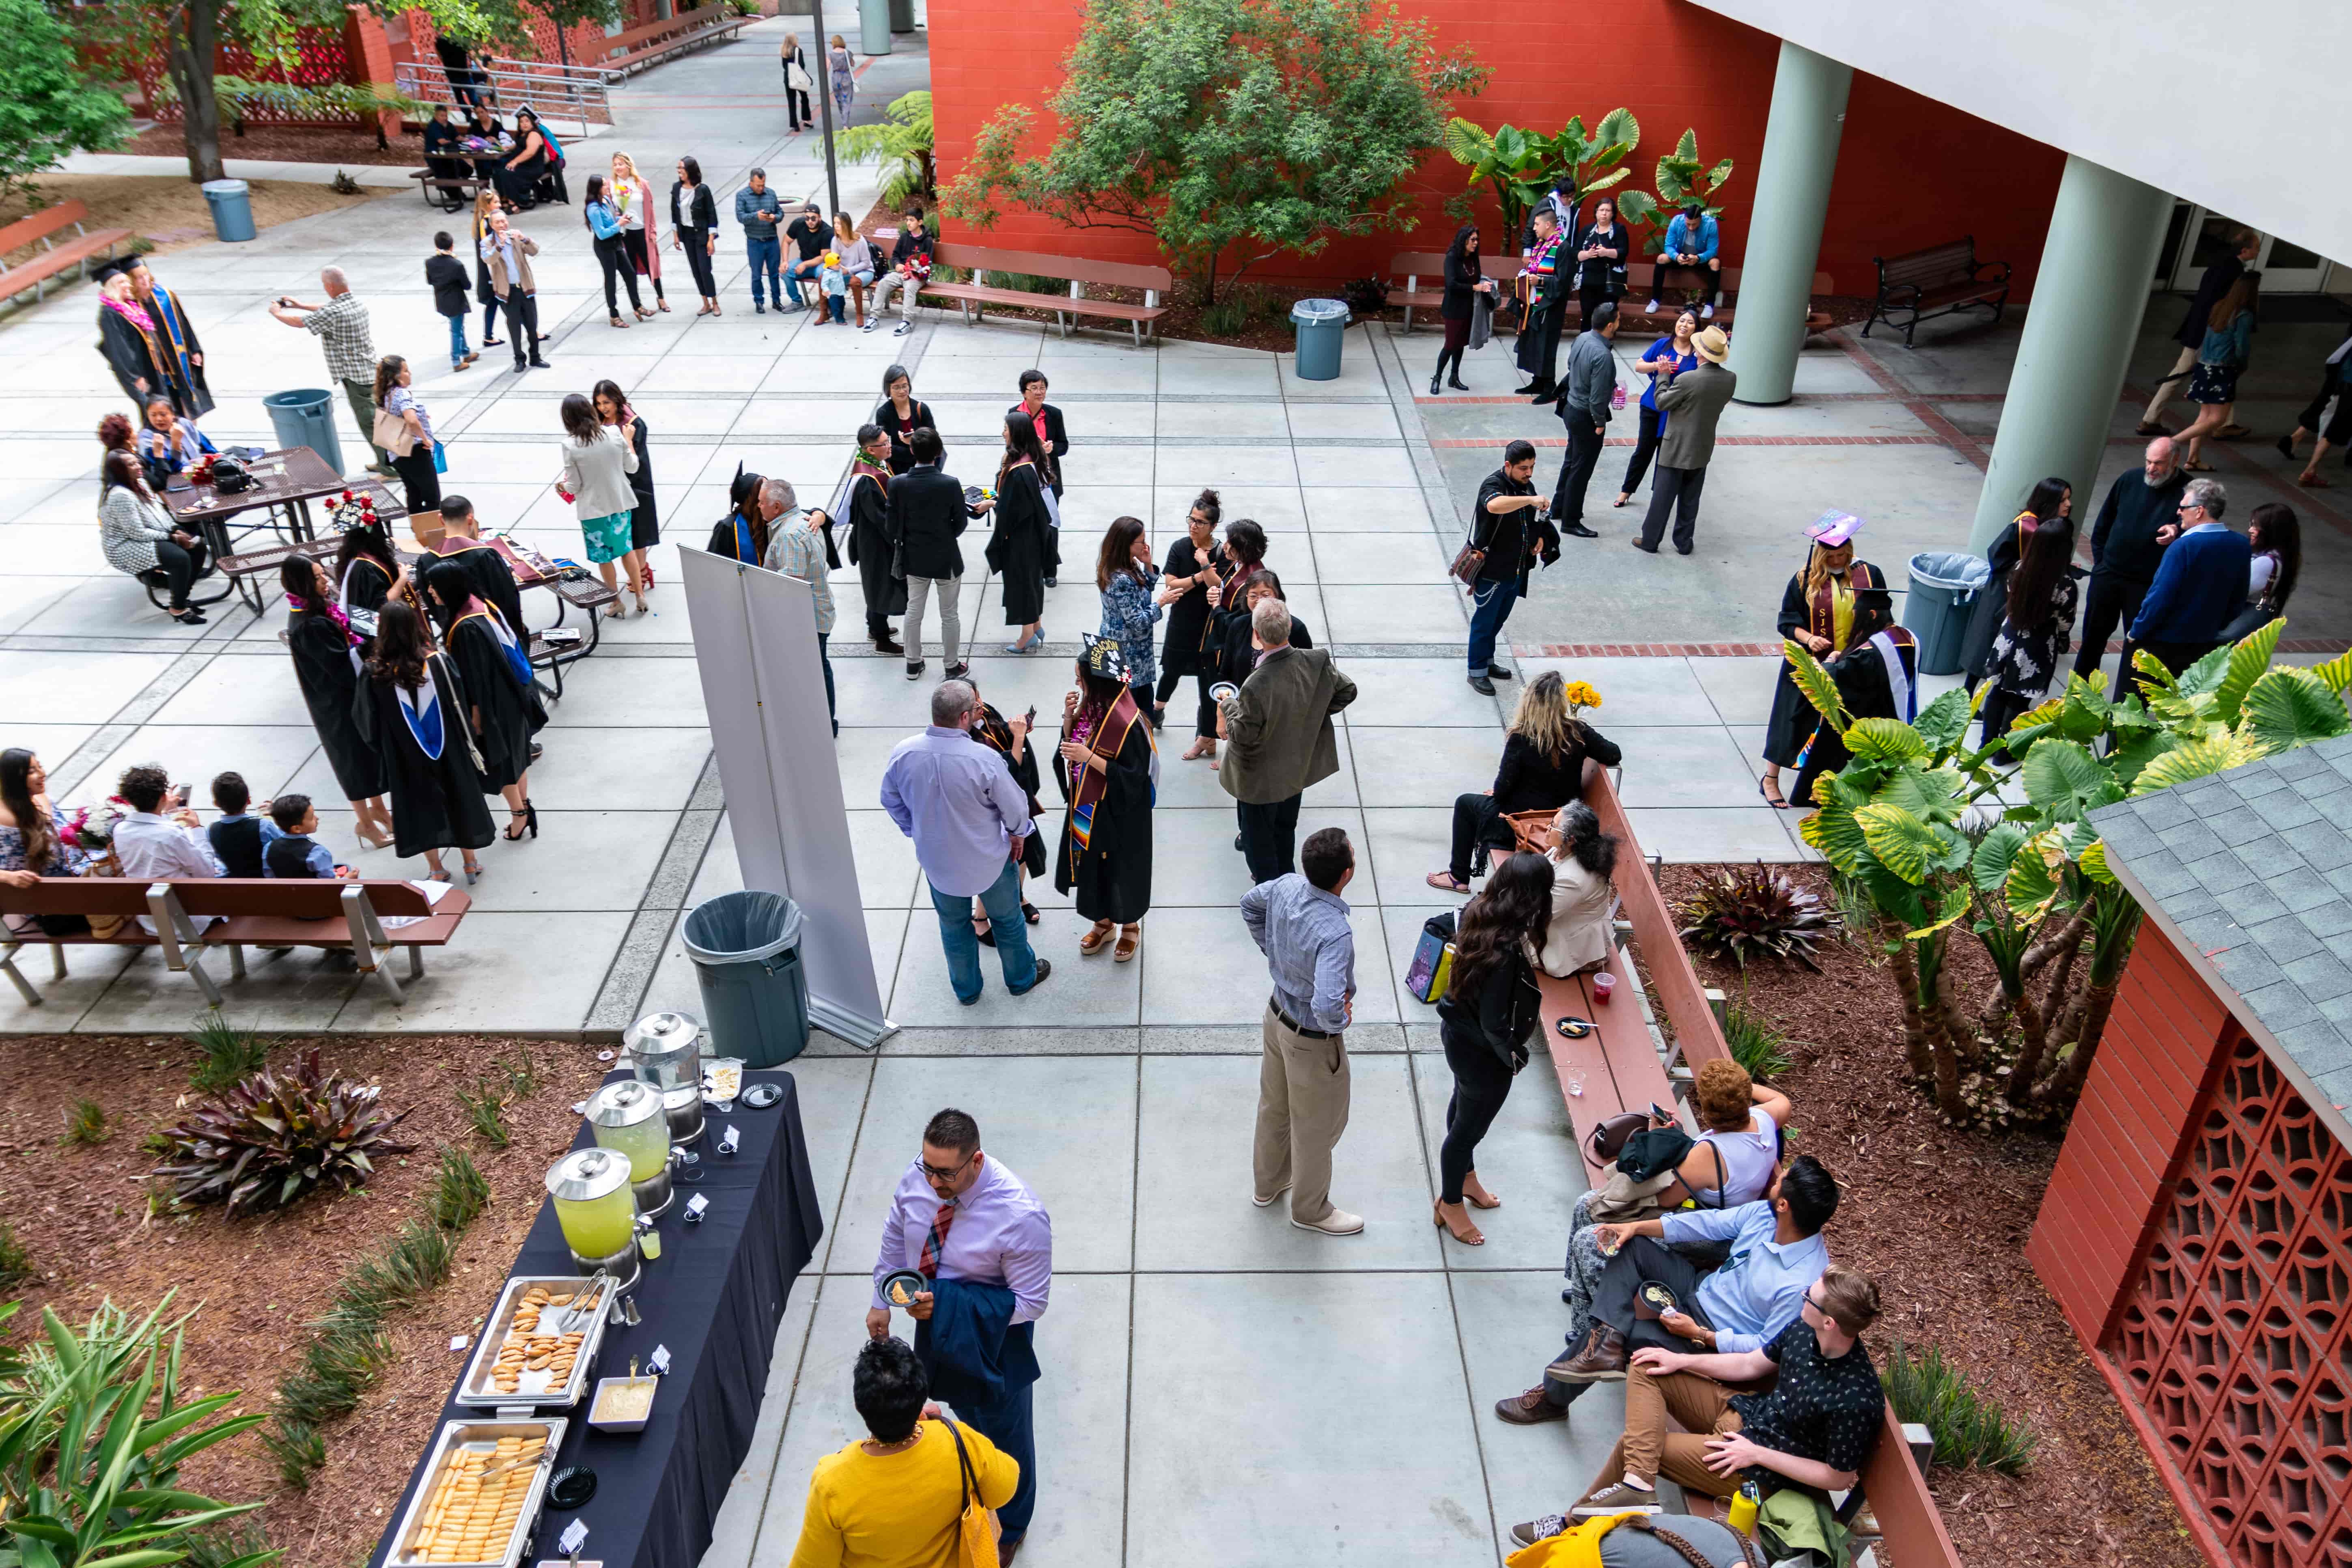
point(935, 1174)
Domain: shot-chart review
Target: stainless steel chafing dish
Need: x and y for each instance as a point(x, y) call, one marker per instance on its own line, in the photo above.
point(445, 1525)
point(488, 1387)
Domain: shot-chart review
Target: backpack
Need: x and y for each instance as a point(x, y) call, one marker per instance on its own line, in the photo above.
point(1432, 959)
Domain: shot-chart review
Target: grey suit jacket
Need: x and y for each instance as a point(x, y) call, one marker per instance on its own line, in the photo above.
point(1278, 726)
point(1695, 399)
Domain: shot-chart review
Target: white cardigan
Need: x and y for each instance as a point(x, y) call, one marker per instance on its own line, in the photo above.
point(1580, 902)
point(597, 474)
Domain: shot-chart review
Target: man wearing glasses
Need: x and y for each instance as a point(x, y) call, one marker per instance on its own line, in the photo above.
point(2200, 585)
point(1812, 1431)
point(963, 1220)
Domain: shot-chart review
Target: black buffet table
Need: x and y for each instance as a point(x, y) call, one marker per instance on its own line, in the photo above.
point(715, 1297)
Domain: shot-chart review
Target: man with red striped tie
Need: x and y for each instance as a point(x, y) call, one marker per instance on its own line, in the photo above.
point(960, 1218)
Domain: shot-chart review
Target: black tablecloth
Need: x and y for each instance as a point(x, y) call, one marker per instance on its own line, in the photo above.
point(714, 1298)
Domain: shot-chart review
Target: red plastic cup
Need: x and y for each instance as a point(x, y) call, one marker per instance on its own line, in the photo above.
point(1603, 983)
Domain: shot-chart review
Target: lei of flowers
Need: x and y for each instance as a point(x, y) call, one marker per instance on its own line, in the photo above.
point(334, 612)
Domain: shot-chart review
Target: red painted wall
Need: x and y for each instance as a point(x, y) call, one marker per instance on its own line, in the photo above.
point(2103, 1199)
point(1911, 172)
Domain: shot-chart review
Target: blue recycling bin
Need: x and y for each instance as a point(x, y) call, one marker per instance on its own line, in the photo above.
point(1944, 588)
point(1322, 332)
point(306, 417)
point(232, 205)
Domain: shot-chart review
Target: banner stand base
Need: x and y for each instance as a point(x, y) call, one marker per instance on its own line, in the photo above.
point(865, 1034)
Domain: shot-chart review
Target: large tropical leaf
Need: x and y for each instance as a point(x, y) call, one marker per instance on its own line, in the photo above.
point(2064, 780)
point(2094, 861)
point(1955, 905)
point(2290, 707)
point(1686, 150)
point(2243, 666)
point(1605, 182)
point(1636, 208)
point(1943, 721)
point(1717, 176)
point(1618, 131)
point(2193, 760)
point(1833, 831)
point(1511, 147)
point(2036, 876)
point(1901, 842)
point(1988, 868)
point(1930, 794)
point(2205, 675)
point(2336, 673)
point(1886, 740)
point(1814, 679)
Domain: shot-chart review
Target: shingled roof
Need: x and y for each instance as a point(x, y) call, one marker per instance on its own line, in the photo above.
point(2252, 869)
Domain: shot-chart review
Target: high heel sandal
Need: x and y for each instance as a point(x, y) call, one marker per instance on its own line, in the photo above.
point(644, 314)
point(473, 875)
point(661, 304)
point(1476, 1237)
point(618, 323)
point(1100, 933)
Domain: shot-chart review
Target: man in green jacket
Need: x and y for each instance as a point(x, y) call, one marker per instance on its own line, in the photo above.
point(1280, 740)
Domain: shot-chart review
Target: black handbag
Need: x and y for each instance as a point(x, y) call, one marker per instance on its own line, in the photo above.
point(230, 476)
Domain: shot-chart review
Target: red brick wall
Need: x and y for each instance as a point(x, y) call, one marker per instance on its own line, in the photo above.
point(1911, 172)
point(2104, 1196)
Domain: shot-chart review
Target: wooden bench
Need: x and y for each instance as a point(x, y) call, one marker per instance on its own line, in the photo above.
point(1416, 266)
point(976, 295)
point(1924, 284)
point(464, 186)
point(43, 228)
point(193, 915)
point(640, 48)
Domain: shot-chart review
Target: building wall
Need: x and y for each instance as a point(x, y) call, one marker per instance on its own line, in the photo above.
point(1912, 172)
point(2104, 1197)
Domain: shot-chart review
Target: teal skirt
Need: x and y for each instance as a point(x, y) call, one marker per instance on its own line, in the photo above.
point(607, 537)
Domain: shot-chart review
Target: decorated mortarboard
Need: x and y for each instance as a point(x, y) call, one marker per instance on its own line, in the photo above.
point(1101, 656)
point(1832, 529)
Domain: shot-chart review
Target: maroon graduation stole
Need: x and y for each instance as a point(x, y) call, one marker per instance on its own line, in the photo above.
point(1861, 578)
point(1109, 738)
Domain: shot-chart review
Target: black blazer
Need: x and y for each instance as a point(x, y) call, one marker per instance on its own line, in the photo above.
point(701, 209)
point(1462, 276)
point(1058, 441)
point(927, 511)
point(918, 414)
point(1602, 271)
point(1504, 1012)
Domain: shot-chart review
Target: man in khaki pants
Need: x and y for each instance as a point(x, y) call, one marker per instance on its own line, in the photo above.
point(1301, 923)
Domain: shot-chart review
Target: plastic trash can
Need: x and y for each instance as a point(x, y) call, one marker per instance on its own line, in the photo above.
point(902, 15)
point(746, 948)
point(873, 29)
point(1944, 588)
point(232, 207)
point(1322, 330)
point(306, 417)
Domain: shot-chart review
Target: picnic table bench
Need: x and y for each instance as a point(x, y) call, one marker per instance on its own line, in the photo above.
point(627, 53)
point(457, 189)
point(1921, 285)
point(43, 228)
point(1423, 272)
point(975, 296)
point(195, 915)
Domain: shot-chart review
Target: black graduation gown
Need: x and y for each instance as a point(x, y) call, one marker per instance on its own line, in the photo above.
point(367, 585)
point(723, 542)
point(133, 358)
point(991, 731)
point(645, 518)
point(437, 804)
point(511, 712)
point(493, 579)
point(1021, 548)
point(1111, 878)
point(918, 414)
point(191, 392)
point(1793, 719)
point(869, 548)
point(1229, 636)
point(323, 667)
point(1185, 650)
point(1863, 685)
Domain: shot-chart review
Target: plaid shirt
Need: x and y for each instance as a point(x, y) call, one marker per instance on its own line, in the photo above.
point(796, 550)
point(340, 326)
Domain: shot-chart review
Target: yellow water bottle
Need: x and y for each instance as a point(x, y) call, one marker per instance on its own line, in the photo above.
point(1744, 1505)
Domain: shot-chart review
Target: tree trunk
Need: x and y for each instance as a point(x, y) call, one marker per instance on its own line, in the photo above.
point(194, 51)
point(2028, 1066)
point(1916, 1053)
point(2067, 1087)
point(1943, 1016)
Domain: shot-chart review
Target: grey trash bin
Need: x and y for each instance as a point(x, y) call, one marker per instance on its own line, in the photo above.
point(1322, 330)
point(1944, 588)
point(306, 417)
point(232, 207)
point(746, 948)
point(873, 27)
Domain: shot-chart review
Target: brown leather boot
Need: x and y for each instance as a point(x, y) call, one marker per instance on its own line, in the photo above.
point(1529, 1409)
point(1601, 1359)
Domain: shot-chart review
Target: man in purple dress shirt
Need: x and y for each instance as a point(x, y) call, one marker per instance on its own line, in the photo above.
point(956, 799)
point(958, 1214)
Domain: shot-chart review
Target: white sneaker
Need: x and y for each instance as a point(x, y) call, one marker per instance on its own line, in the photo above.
point(1338, 1222)
point(1653, 309)
point(903, 329)
point(871, 325)
point(1707, 313)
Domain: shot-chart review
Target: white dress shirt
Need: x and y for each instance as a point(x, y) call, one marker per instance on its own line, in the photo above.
point(153, 847)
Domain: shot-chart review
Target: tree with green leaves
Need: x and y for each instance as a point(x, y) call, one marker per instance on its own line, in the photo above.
point(1229, 130)
point(49, 109)
point(1519, 165)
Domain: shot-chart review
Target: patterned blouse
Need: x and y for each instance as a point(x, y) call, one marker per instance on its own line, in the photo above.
point(128, 525)
point(2024, 660)
point(65, 859)
point(1129, 614)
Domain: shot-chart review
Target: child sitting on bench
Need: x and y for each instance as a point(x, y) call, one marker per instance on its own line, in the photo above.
point(294, 853)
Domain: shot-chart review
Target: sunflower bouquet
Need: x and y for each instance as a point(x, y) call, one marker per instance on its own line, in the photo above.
point(1579, 696)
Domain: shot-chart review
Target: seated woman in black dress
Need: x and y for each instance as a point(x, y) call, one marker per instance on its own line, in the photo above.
point(326, 650)
point(1542, 770)
point(519, 172)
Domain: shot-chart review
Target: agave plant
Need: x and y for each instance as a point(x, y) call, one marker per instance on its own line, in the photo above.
point(276, 1135)
point(1683, 180)
point(1757, 912)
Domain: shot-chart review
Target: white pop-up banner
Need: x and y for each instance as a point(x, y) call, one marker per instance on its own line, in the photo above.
point(755, 640)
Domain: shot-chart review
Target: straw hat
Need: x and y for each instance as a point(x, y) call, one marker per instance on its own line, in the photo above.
point(1712, 345)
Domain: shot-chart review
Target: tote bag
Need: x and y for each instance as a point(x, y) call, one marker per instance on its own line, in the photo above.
point(976, 1527)
point(392, 434)
point(1432, 959)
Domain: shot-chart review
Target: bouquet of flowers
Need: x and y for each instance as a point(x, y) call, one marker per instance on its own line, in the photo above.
point(1580, 696)
point(352, 509)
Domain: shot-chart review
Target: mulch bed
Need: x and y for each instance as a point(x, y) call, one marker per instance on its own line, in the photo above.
point(1940, 1217)
point(286, 144)
point(81, 1214)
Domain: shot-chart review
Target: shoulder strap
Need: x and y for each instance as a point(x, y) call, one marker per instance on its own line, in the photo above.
point(963, 1462)
point(1689, 1554)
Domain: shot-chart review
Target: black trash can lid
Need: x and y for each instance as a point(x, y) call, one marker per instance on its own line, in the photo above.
point(741, 928)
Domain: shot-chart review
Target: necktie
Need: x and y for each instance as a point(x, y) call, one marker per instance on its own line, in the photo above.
point(936, 1243)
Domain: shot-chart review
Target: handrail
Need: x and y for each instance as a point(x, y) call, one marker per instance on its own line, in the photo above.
point(553, 90)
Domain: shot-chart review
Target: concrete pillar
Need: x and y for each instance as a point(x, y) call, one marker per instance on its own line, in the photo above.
point(1784, 237)
point(2088, 298)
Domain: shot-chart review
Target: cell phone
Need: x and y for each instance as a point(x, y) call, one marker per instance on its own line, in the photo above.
point(1032, 720)
point(1661, 1115)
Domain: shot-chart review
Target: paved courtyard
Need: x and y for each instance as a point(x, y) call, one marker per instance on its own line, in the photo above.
point(1219, 1387)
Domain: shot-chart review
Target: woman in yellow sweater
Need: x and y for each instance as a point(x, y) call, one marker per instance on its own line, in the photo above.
point(893, 1501)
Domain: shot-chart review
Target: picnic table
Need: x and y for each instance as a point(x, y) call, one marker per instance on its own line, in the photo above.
point(285, 484)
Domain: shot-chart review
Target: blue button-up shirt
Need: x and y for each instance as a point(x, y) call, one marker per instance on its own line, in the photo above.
point(956, 799)
point(1761, 1287)
point(748, 201)
point(1309, 947)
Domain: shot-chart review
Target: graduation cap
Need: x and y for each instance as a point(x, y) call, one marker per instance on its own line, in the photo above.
point(1101, 656)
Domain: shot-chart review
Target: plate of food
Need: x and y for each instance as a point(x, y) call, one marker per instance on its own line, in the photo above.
point(900, 1288)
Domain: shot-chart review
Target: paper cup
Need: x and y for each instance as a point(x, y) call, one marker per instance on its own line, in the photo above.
point(1603, 985)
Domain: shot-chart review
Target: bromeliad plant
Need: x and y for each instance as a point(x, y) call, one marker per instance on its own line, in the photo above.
point(276, 1136)
point(1756, 913)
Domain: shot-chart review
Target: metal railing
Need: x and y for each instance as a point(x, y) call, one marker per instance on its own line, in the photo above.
point(554, 91)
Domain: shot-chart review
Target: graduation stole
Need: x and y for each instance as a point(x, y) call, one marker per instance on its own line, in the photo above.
point(1859, 577)
point(1109, 738)
point(167, 316)
point(1541, 263)
point(861, 467)
point(421, 708)
point(518, 662)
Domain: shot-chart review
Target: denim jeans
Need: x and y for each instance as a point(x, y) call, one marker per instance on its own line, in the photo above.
point(767, 254)
point(1003, 902)
point(457, 347)
point(1491, 607)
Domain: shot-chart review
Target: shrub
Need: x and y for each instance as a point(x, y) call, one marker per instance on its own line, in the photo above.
point(221, 1548)
point(459, 1191)
point(276, 1136)
point(1970, 1427)
point(15, 1263)
point(1756, 1045)
point(298, 1447)
point(483, 1110)
point(522, 1074)
point(418, 1260)
point(230, 1054)
point(86, 1122)
point(1756, 911)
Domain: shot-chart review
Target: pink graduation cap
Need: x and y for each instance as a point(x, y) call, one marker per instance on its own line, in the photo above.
point(1833, 527)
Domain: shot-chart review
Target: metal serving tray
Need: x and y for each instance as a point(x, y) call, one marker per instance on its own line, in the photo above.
point(408, 1542)
point(478, 1390)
